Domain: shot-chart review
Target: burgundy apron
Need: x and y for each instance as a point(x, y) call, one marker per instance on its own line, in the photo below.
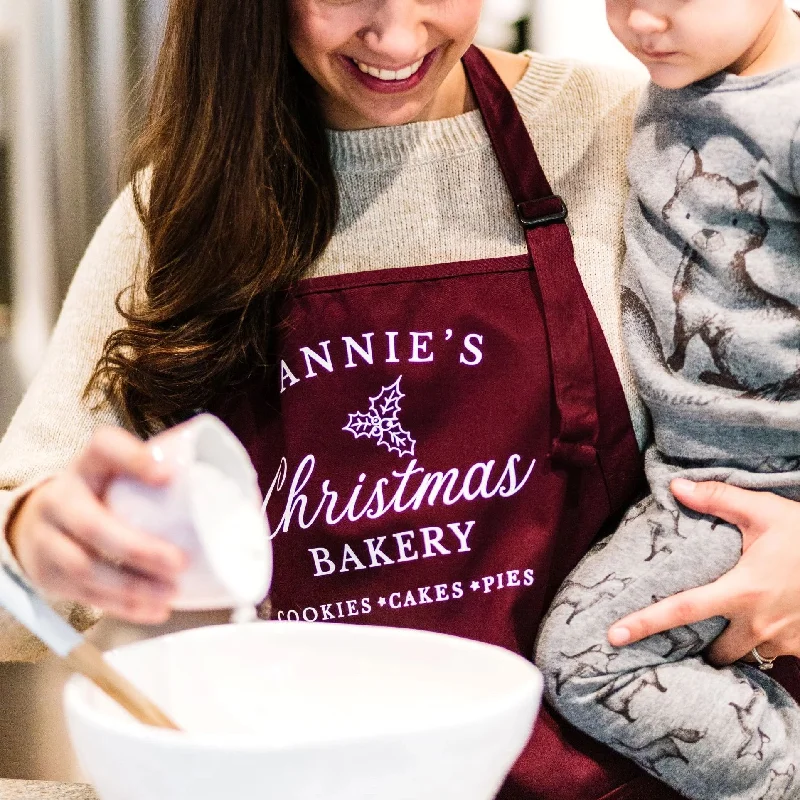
point(439, 446)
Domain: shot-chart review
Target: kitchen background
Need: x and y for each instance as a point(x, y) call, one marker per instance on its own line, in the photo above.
point(72, 74)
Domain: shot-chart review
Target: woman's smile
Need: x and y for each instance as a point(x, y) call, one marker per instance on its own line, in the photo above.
point(382, 63)
point(387, 80)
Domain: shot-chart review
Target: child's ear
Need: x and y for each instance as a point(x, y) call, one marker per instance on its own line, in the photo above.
point(691, 167)
point(751, 198)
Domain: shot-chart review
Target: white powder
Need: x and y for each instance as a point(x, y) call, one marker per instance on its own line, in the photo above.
point(243, 614)
point(222, 528)
point(233, 535)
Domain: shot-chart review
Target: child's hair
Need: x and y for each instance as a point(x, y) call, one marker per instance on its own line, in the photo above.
point(233, 185)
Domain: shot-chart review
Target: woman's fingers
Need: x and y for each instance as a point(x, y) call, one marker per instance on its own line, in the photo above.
point(112, 453)
point(685, 608)
point(73, 508)
point(73, 547)
point(751, 512)
point(735, 643)
point(760, 595)
point(70, 572)
point(129, 596)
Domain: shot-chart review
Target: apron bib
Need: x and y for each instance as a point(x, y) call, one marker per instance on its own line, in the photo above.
point(439, 445)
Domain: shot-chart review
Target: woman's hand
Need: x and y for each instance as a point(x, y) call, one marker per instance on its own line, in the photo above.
point(760, 595)
point(71, 546)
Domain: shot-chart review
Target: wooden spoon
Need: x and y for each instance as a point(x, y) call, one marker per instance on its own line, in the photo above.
point(23, 602)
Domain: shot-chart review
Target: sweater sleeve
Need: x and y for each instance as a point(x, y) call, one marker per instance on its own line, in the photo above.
point(53, 422)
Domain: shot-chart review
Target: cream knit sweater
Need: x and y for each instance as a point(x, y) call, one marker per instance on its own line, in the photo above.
point(423, 193)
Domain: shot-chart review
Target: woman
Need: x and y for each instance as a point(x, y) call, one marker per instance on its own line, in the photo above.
point(330, 239)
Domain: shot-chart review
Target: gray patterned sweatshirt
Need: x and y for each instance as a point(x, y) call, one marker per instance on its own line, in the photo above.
point(711, 285)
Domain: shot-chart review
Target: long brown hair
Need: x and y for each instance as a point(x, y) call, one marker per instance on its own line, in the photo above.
point(233, 185)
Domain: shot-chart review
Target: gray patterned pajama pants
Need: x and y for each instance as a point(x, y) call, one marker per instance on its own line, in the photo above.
point(707, 732)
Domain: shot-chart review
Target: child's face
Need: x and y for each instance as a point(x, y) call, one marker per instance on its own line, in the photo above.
point(683, 41)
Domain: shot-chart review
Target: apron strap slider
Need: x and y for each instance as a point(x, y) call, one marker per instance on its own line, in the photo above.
point(573, 454)
point(544, 211)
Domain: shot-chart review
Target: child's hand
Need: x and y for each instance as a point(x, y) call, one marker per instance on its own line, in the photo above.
point(760, 595)
point(73, 548)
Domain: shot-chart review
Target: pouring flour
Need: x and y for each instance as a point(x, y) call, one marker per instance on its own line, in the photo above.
point(211, 510)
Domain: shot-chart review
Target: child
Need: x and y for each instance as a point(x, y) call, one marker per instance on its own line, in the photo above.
point(711, 321)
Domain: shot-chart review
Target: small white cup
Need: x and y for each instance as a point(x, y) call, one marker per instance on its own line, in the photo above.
point(211, 510)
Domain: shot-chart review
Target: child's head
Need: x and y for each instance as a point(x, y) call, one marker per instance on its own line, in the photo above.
point(683, 41)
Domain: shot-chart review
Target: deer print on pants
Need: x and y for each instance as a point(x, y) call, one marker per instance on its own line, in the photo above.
point(664, 535)
point(652, 753)
point(582, 598)
point(685, 640)
point(620, 695)
point(754, 738)
point(779, 785)
point(659, 702)
point(590, 663)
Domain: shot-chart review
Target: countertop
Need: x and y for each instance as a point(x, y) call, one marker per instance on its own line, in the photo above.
point(45, 790)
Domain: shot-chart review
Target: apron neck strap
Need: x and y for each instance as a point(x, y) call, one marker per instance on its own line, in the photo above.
point(565, 306)
point(530, 190)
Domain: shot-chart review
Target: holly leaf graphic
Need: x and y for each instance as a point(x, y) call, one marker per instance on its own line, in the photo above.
point(386, 404)
point(399, 440)
point(381, 422)
point(361, 425)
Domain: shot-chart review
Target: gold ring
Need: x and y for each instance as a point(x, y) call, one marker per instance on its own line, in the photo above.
point(764, 664)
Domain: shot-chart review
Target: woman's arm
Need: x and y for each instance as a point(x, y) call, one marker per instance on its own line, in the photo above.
point(760, 595)
point(54, 423)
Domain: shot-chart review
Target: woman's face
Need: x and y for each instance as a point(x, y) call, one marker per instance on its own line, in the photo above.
point(384, 62)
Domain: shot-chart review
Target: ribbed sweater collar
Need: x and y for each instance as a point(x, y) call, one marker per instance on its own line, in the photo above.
point(379, 149)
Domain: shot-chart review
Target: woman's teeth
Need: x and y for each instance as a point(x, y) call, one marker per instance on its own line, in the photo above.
point(389, 74)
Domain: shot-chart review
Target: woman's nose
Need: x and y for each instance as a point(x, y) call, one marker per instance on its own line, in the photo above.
point(644, 22)
point(396, 32)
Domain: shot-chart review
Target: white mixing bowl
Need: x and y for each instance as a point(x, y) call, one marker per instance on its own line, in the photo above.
point(295, 711)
